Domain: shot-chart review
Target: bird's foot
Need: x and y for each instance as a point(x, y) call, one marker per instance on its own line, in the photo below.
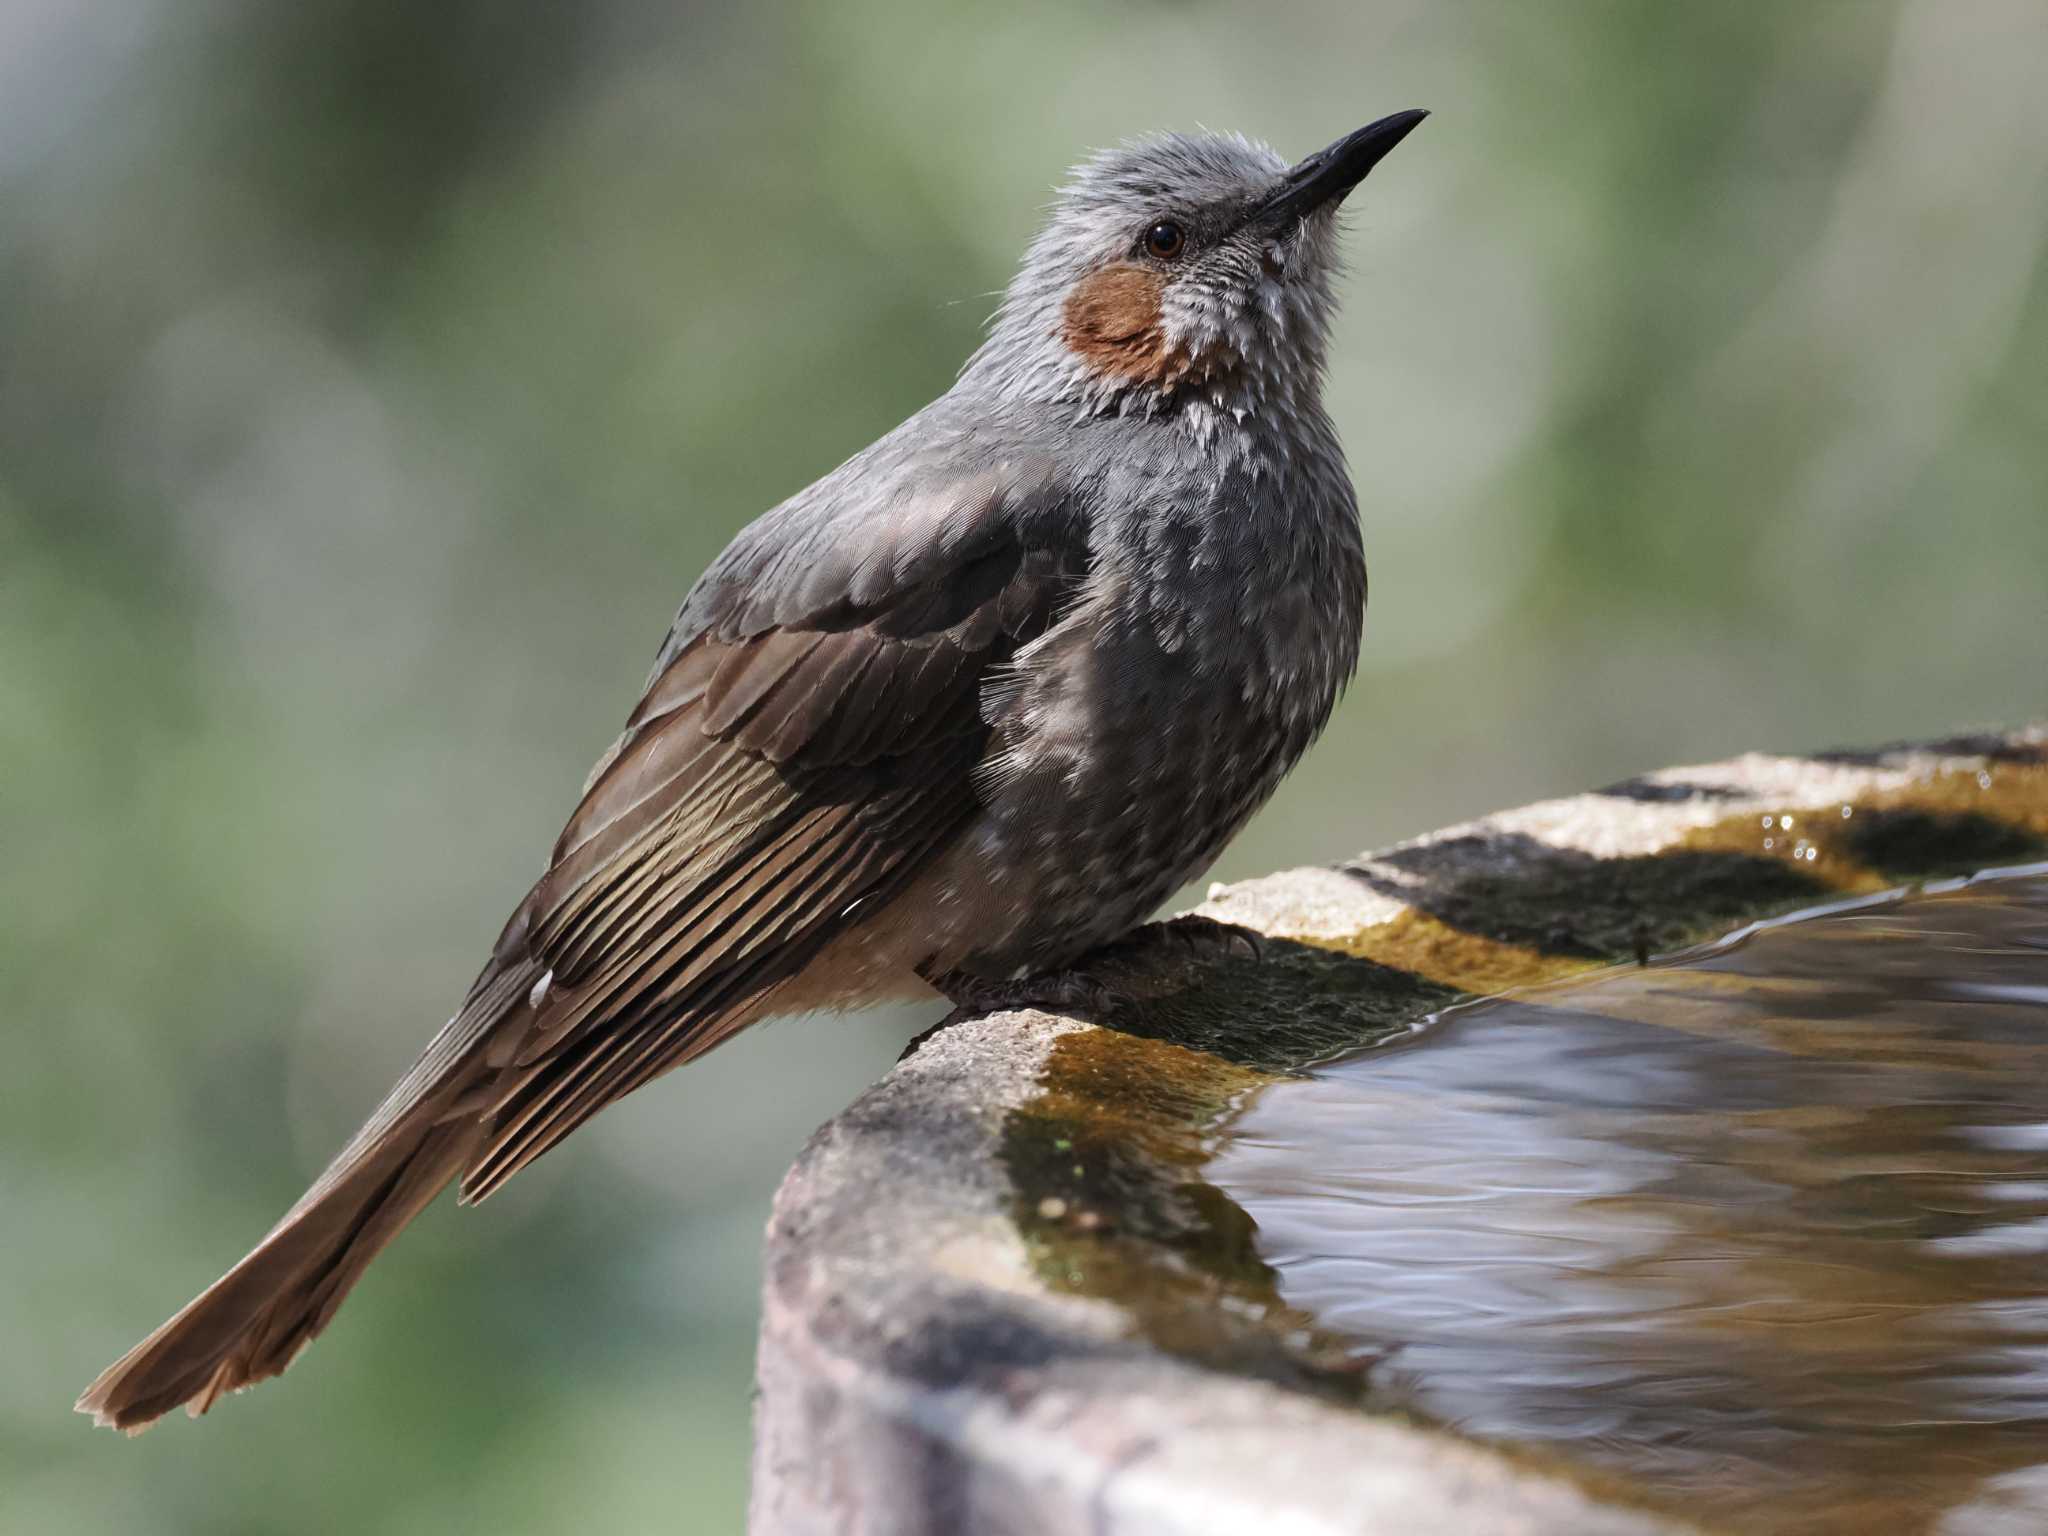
point(1207, 938)
point(1063, 992)
point(1085, 993)
point(1051, 991)
point(1178, 942)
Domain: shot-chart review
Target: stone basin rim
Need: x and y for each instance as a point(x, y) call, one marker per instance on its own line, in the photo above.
point(918, 1374)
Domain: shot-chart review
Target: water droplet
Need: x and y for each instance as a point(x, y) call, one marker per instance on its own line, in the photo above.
point(1983, 778)
point(1846, 811)
point(1785, 822)
point(1767, 822)
point(1769, 841)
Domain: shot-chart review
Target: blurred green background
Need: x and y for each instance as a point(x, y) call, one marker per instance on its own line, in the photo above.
point(375, 376)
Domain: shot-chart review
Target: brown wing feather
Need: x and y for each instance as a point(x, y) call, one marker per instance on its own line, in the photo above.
point(808, 745)
point(768, 783)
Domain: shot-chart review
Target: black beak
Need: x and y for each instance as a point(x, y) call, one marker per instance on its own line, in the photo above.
point(1328, 174)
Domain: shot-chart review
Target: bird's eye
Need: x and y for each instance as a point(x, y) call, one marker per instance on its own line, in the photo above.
point(1165, 240)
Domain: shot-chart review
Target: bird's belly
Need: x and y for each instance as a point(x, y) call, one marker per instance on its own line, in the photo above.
point(1128, 746)
point(1067, 858)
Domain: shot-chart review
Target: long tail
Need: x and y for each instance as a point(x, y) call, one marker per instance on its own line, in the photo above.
point(253, 1321)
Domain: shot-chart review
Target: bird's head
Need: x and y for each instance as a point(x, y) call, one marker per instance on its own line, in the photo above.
point(1182, 268)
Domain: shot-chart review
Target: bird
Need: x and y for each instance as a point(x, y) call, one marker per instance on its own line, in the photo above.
point(974, 703)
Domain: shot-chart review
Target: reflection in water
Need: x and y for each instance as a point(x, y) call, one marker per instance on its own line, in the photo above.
point(1765, 1229)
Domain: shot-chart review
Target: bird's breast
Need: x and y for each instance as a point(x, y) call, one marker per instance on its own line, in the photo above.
point(1133, 740)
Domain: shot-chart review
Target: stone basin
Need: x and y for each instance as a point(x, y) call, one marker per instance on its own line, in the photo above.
point(1020, 1286)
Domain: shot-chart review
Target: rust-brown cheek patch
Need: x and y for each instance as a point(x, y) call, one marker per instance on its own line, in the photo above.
point(1113, 323)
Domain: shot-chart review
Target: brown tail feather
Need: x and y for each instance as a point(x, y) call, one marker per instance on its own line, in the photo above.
point(250, 1324)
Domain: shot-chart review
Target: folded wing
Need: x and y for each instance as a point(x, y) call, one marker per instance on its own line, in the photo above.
point(792, 761)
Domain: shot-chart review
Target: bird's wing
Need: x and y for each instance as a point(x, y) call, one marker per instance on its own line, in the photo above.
point(807, 748)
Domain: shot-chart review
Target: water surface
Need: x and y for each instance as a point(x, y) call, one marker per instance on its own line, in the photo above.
point(1763, 1229)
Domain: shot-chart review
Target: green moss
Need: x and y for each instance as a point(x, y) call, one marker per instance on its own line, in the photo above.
point(1106, 1159)
point(1294, 1005)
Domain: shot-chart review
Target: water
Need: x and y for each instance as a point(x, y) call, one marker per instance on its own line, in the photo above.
point(1764, 1230)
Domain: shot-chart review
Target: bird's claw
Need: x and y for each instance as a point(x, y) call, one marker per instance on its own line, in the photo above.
point(1050, 991)
point(1207, 937)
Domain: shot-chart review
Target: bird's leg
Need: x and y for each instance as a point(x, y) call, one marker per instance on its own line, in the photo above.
point(1082, 989)
point(1068, 991)
point(1207, 938)
point(1062, 992)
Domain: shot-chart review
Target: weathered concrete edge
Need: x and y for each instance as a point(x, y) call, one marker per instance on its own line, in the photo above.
point(1329, 904)
point(916, 1376)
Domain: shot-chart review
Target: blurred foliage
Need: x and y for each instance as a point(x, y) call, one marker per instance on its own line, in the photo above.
point(374, 377)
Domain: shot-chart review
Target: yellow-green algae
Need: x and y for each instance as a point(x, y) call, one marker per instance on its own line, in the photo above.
point(1106, 1158)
